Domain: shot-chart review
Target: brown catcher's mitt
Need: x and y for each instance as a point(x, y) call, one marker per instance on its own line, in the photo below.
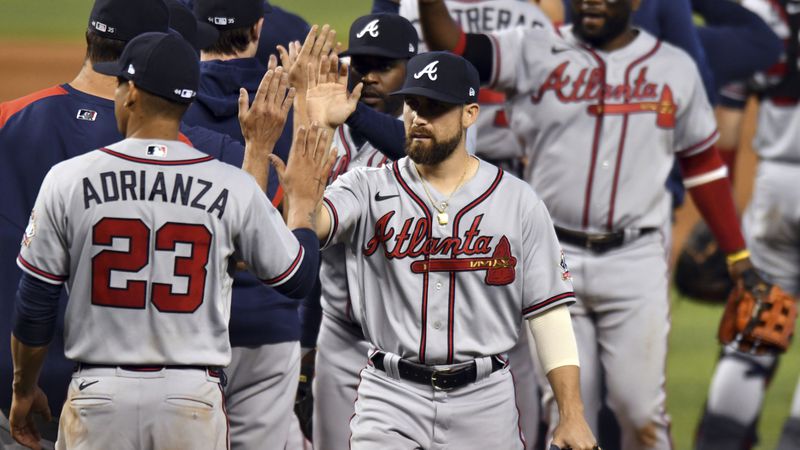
point(759, 319)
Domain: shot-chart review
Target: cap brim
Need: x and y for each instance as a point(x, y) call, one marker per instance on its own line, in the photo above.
point(430, 93)
point(207, 35)
point(373, 51)
point(110, 68)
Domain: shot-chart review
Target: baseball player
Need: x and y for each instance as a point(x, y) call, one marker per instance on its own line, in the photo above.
point(643, 102)
point(55, 124)
point(380, 47)
point(737, 390)
point(144, 233)
point(441, 268)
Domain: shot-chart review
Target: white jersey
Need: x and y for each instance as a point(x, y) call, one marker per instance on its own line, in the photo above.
point(443, 294)
point(333, 271)
point(602, 129)
point(495, 139)
point(778, 133)
point(144, 234)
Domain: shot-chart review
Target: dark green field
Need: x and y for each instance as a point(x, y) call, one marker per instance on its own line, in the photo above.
point(692, 346)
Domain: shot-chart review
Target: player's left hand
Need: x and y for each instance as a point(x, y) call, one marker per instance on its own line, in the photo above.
point(262, 121)
point(574, 433)
point(23, 406)
point(328, 101)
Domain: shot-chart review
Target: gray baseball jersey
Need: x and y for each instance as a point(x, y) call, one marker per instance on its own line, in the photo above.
point(443, 294)
point(333, 272)
point(495, 139)
point(145, 233)
point(613, 121)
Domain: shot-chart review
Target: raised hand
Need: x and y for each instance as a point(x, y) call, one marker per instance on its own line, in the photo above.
point(305, 175)
point(318, 43)
point(327, 100)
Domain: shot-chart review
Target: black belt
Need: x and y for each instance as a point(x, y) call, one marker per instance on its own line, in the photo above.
point(597, 242)
point(211, 370)
point(443, 380)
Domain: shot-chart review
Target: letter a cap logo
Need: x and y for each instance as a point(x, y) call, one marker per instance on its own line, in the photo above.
point(371, 28)
point(429, 70)
point(441, 76)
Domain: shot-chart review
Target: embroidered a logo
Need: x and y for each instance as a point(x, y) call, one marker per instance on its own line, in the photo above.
point(371, 28)
point(429, 70)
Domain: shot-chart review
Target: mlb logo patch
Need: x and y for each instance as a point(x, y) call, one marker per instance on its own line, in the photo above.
point(87, 114)
point(157, 150)
point(222, 20)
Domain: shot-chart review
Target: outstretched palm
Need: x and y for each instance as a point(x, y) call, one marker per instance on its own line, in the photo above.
point(327, 99)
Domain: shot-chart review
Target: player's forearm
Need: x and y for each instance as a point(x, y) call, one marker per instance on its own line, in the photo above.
point(256, 162)
point(555, 340)
point(28, 362)
point(300, 111)
point(439, 30)
point(565, 381)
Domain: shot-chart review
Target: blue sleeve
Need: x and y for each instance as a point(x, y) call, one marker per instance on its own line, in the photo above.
point(677, 28)
point(303, 281)
point(737, 42)
point(310, 312)
point(36, 311)
point(384, 132)
point(385, 6)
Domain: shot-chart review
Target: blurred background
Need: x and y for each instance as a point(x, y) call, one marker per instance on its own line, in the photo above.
point(41, 44)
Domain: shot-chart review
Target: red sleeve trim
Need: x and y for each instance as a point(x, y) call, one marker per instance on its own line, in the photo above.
point(549, 302)
point(461, 45)
point(40, 272)
point(334, 221)
point(278, 198)
point(280, 279)
point(714, 200)
point(701, 163)
point(12, 107)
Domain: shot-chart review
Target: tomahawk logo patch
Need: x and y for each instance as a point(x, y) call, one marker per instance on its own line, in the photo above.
point(30, 230)
point(429, 70)
point(371, 28)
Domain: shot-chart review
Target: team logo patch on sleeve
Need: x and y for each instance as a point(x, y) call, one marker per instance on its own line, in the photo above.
point(30, 231)
point(157, 150)
point(87, 114)
point(565, 275)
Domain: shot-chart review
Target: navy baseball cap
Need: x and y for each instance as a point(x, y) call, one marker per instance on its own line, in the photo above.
point(123, 20)
point(441, 76)
point(162, 64)
point(387, 35)
point(229, 14)
point(181, 19)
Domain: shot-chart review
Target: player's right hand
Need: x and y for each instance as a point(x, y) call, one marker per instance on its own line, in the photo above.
point(23, 406)
point(262, 121)
point(574, 433)
point(328, 101)
point(319, 42)
point(305, 175)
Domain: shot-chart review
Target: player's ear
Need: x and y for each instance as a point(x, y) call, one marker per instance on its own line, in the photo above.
point(133, 96)
point(259, 25)
point(469, 114)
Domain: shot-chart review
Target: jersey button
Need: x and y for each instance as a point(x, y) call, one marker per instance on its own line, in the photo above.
point(438, 285)
point(437, 325)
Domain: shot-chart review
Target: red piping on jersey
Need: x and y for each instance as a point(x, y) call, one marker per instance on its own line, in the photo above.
point(360, 379)
point(598, 128)
point(516, 405)
point(427, 212)
point(334, 219)
point(705, 142)
point(451, 304)
point(461, 45)
point(36, 270)
point(624, 133)
point(549, 301)
point(180, 162)
point(287, 272)
point(9, 108)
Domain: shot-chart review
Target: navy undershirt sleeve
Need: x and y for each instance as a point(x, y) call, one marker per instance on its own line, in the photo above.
point(303, 281)
point(36, 310)
point(478, 50)
point(310, 312)
point(384, 132)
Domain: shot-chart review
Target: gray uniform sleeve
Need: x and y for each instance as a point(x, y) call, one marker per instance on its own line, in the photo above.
point(518, 51)
point(546, 281)
point(44, 251)
point(264, 242)
point(696, 125)
point(346, 200)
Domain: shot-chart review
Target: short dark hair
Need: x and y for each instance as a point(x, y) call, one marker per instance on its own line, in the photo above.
point(102, 49)
point(234, 40)
point(155, 105)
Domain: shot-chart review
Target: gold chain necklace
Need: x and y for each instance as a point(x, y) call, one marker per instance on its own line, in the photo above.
point(442, 217)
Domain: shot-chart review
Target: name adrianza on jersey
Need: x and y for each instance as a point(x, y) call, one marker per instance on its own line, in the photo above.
point(129, 185)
